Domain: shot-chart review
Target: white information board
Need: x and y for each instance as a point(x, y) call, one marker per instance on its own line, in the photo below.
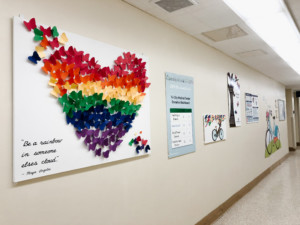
point(251, 103)
point(180, 117)
point(43, 142)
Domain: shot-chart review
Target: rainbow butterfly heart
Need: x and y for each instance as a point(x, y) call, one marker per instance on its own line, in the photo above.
point(100, 102)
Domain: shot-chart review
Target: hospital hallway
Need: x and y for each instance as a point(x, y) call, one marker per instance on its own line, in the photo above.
point(273, 201)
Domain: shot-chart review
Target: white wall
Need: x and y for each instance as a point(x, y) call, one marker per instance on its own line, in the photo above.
point(155, 189)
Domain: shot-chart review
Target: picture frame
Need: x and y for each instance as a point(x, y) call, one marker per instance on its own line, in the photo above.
point(281, 110)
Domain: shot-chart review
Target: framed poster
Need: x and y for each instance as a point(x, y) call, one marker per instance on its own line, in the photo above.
point(234, 100)
point(281, 110)
point(77, 102)
point(214, 128)
point(251, 105)
point(180, 114)
point(272, 136)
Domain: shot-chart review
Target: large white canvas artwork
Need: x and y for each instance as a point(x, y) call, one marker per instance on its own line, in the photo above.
point(82, 105)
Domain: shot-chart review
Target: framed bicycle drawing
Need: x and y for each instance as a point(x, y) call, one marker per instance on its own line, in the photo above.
point(272, 137)
point(214, 128)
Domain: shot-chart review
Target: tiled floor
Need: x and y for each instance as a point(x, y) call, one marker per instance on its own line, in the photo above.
point(274, 201)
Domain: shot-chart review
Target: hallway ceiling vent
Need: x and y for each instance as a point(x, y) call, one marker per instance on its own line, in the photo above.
point(225, 33)
point(173, 5)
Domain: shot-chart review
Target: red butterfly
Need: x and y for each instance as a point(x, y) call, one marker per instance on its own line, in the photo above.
point(144, 142)
point(78, 52)
point(52, 60)
point(92, 62)
point(128, 57)
point(54, 44)
point(46, 31)
point(31, 24)
point(71, 51)
point(57, 55)
point(86, 57)
point(78, 60)
point(62, 51)
point(119, 60)
point(84, 69)
point(70, 59)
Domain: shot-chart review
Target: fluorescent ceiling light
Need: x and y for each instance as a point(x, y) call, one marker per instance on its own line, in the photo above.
point(271, 20)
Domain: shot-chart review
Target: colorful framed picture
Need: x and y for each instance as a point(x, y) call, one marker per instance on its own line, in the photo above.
point(214, 128)
point(281, 110)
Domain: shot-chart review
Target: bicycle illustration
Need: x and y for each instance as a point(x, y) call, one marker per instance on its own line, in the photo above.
point(218, 131)
point(272, 136)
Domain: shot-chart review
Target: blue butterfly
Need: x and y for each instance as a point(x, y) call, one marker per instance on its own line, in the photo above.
point(138, 148)
point(147, 148)
point(35, 57)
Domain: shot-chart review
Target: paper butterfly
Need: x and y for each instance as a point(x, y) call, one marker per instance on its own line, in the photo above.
point(47, 31)
point(44, 43)
point(40, 50)
point(54, 32)
point(63, 39)
point(38, 34)
point(54, 44)
point(34, 58)
point(31, 24)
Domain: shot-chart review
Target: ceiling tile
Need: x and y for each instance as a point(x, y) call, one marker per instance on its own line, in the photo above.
point(225, 33)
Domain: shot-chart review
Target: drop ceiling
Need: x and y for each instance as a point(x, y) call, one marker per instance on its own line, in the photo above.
point(230, 35)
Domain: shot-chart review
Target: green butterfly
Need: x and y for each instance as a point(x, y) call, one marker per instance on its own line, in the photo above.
point(54, 32)
point(38, 34)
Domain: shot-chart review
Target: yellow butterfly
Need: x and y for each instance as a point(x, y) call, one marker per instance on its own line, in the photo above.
point(40, 51)
point(55, 92)
point(63, 39)
point(53, 82)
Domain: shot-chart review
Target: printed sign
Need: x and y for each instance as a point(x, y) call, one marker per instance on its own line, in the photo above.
point(251, 104)
point(180, 114)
